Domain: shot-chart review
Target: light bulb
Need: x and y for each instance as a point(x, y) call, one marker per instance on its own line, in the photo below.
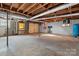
point(64, 25)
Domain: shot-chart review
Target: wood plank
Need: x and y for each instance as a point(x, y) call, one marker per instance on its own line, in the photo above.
point(13, 11)
point(1, 5)
point(31, 27)
point(20, 6)
point(37, 8)
point(29, 7)
point(11, 6)
point(67, 11)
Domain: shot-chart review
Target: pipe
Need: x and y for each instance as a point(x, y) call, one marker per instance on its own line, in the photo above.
point(74, 14)
point(54, 10)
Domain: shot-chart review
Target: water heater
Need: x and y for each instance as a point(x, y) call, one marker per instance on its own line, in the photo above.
point(75, 30)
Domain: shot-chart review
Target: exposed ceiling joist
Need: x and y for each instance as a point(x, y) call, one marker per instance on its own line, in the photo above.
point(11, 6)
point(13, 11)
point(1, 5)
point(20, 6)
point(67, 11)
point(54, 20)
point(67, 15)
point(37, 8)
point(62, 18)
point(29, 7)
point(54, 10)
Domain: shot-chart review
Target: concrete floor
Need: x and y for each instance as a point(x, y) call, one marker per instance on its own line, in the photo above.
point(43, 45)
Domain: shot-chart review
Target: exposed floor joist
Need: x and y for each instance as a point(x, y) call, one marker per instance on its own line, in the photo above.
point(1, 5)
point(53, 10)
point(74, 14)
point(63, 12)
point(11, 6)
point(20, 6)
point(32, 9)
point(37, 8)
point(3, 9)
point(67, 11)
point(29, 8)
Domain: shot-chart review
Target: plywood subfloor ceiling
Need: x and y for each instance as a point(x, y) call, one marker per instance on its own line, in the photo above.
point(32, 9)
point(28, 9)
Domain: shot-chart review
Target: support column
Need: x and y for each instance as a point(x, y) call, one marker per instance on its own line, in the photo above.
point(7, 31)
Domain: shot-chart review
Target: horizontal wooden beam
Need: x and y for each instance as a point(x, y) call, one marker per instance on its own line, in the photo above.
point(3, 9)
point(55, 19)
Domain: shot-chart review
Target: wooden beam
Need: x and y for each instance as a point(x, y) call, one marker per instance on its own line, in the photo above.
point(20, 6)
point(29, 7)
point(37, 8)
point(11, 6)
point(1, 5)
point(13, 11)
point(54, 20)
point(67, 11)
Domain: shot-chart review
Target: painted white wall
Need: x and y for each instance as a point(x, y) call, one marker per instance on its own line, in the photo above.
point(3, 27)
point(42, 29)
point(12, 24)
point(57, 27)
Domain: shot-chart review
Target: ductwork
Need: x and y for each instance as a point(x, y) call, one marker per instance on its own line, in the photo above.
point(54, 10)
point(74, 14)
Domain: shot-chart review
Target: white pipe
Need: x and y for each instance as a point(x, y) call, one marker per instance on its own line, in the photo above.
point(54, 10)
point(75, 14)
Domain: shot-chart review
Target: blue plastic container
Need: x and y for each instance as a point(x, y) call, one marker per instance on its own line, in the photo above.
point(76, 30)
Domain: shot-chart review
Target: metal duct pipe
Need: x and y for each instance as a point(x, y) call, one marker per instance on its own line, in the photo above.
point(54, 10)
point(74, 14)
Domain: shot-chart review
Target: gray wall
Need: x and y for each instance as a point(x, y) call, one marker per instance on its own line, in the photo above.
point(57, 27)
point(3, 27)
point(42, 29)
